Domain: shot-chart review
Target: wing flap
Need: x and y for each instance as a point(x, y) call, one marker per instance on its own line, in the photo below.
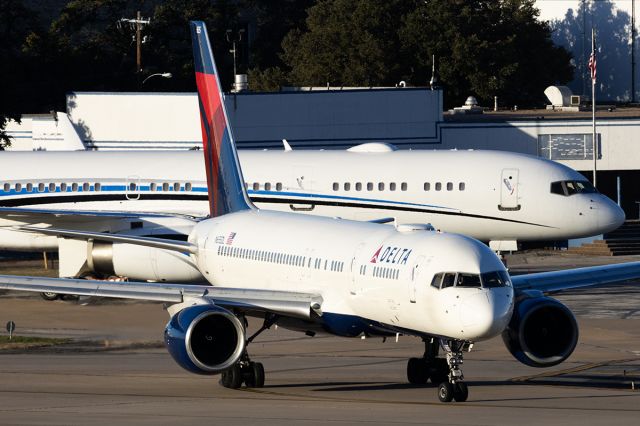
point(291, 304)
point(556, 281)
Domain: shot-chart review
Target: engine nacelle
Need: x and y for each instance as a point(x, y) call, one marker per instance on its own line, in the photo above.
point(205, 339)
point(141, 263)
point(542, 332)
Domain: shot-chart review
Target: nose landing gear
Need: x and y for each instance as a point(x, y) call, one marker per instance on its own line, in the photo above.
point(443, 372)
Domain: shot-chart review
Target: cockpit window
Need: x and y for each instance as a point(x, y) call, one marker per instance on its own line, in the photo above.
point(448, 280)
point(570, 187)
point(486, 280)
point(468, 280)
point(495, 279)
point(437, 279)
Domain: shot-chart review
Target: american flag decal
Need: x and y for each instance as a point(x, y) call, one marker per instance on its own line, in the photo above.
point(230, 238)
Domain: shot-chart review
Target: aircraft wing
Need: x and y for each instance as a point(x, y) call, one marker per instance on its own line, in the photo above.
point(556, 281)
point(45, 215)
point(290, 304)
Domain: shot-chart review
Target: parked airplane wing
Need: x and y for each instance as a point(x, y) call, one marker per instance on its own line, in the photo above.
point(291, 304)
point(556, 281)
point(179, 246)
point(55, 216)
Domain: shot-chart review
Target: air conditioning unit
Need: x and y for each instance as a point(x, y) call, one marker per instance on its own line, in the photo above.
point(575, 100)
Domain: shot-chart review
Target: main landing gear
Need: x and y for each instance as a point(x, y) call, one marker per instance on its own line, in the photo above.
point(246, 371)
point(443, 372)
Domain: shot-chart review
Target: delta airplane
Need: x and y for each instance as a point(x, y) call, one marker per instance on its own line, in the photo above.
point(344, 277)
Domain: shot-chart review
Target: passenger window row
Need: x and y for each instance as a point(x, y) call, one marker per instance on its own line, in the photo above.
point(267, 186)
point(388, 273)
point(51, 187)
point(163, 186)
point(86, 186)
point(369, 186)
point(280, 258)
point(438, 186)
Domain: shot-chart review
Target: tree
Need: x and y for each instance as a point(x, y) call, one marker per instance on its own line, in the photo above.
point(170, 47)
point(484, 48)
point(16, 23)
point(346, 43)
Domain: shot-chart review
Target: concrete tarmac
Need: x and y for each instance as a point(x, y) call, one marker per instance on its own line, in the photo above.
point(117, 372)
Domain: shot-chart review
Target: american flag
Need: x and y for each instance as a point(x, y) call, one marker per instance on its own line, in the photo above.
point(592, 66)
point(592, 61)
point(230, 238)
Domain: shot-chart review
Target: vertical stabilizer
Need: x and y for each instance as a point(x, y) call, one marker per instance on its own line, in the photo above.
point(225, 184)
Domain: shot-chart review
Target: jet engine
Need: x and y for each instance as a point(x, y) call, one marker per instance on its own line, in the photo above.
point(542, 332)
point(141, 263)
point(205, 339)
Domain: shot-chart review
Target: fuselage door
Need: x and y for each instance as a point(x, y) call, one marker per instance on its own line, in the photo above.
point(416, 273)
point(509, 190)
point(357, 269)
point(302, 183)
point(132, 191)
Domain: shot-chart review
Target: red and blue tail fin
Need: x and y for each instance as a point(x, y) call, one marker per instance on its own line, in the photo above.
point(225, 184)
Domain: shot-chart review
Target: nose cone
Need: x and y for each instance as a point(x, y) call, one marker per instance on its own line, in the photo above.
point(486, 314)
point(611, 215)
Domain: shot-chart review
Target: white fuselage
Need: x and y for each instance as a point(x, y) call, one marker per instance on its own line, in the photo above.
point(366, 273)
point(487, 195)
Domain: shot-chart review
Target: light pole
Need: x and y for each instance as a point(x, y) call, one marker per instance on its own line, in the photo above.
point(233, 42)
point(158, 74)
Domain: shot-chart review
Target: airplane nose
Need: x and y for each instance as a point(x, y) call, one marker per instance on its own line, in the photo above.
point(486, 314)
point(612, 216)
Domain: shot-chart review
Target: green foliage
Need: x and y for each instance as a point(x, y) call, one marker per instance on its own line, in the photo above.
point(16, 23)
point(484, 48)
point(269, 80)
point(346, 43)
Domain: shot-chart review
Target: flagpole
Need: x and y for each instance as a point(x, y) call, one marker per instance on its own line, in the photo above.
point(593, 104)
